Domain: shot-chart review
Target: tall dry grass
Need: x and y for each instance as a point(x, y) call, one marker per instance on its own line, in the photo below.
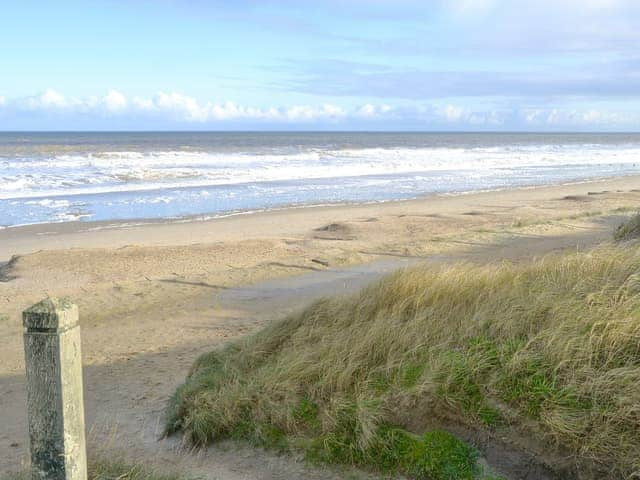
point(551, 347)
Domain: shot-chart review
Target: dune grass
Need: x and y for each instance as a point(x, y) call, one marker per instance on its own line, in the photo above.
point(628, 230)
point(549, 347)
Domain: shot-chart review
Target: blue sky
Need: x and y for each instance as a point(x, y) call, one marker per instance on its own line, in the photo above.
point(340, 65)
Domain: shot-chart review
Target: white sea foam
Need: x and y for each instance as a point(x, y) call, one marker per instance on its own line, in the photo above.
point(49, 203)
point(216, 175)
point(132, 171)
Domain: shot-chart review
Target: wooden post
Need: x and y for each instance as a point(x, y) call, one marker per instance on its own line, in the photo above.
point(54, 391)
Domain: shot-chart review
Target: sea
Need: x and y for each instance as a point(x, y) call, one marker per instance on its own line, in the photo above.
point(64, 177)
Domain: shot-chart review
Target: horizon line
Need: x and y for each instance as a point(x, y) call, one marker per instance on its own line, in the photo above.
point(553, 132)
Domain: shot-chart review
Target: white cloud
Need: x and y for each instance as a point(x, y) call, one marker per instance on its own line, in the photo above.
point(306, 113)
point(177, 107)
point(182, 106)
point(332, 111)
point(115, 101)
point(370, 111)
point(367, 111)
point(53, 101)
point(457, 115)
point(172, 108)
point(47, 100)
point(590, 118)
point(453, 114)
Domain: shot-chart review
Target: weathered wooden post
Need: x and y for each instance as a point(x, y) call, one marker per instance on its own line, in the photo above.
point(54, 391)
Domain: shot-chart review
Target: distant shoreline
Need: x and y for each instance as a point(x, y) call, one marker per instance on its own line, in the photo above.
point(266, 223)
point(209, 216)
point(64, 177)
point(119, 223)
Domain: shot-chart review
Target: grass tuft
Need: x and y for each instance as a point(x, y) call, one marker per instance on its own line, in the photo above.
point(628, 230)
point(550, 348)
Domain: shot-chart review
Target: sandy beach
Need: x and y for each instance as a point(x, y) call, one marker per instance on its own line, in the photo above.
point(320, 240)
point(154, 295)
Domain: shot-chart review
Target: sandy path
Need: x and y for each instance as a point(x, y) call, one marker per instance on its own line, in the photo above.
point(125, 397)
point(148, 310)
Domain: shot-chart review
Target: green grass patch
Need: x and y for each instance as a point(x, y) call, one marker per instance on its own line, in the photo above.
point(306, 412)
point(551, 347)
point(436, 455)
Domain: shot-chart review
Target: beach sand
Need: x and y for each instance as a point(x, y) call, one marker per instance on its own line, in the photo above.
point(154, 295)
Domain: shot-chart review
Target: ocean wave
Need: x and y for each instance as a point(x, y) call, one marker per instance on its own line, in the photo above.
point(130, 171)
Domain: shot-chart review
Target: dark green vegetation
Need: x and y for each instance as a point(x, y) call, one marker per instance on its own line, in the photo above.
point(550, 348)
point(628, 230)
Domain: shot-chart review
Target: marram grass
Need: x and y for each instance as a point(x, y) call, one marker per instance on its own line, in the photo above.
point(628, 230)
point(550, 347)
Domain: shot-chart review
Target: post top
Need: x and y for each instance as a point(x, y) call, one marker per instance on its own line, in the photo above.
point(50, 313)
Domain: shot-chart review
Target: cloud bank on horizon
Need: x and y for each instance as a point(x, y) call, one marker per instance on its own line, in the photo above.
point(178, 110)
point(354, 64)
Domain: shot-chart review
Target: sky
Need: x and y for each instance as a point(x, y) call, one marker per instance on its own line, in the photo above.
point(453, 65)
